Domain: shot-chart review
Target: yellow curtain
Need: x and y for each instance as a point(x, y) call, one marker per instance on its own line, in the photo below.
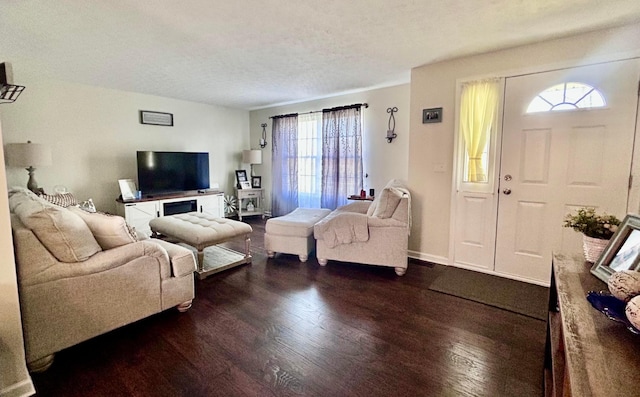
point(478, 110)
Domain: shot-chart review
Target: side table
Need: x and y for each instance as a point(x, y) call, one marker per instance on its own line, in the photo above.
point(253, 196)
point(360, 198)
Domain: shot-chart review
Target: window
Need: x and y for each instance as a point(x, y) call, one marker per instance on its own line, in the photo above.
point(567, 96)
point(309, 159)
point(479, 103)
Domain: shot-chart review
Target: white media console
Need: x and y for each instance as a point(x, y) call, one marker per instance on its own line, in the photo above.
point(138, 213)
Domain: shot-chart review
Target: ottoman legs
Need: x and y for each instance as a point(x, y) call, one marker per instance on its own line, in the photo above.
point(247, 246)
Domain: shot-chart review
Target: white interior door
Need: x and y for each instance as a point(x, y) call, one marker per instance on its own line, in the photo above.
point(556, 161)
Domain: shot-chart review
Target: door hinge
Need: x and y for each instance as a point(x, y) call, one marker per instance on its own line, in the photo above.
point(630, 181)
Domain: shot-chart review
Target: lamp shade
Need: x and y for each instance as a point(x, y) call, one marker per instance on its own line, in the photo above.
point(28, 154)
point(252, 156)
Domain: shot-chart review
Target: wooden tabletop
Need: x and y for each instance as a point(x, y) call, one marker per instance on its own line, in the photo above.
point(602, 356)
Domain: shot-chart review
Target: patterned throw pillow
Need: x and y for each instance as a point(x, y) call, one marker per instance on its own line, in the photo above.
point(62, 199)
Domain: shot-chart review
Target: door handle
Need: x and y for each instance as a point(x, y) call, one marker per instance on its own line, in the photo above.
point(507, 191)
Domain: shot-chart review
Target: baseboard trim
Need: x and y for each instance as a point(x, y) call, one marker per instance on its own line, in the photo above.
point(20, 389)
point(440, 260)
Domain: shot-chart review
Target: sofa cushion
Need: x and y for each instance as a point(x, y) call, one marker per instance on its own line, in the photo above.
point(298, 223)
point(61, 231)
point(109, 230)
point(386, 203)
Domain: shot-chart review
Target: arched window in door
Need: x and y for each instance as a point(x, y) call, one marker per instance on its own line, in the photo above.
point(567, 96)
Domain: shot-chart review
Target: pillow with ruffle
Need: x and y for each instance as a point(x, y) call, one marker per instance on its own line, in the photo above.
point(110, 231)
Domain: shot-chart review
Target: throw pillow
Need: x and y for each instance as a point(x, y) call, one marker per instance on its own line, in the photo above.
point(61, 231)
point(87, 205)
point(388, 203)
point(62, 199)
point(110, 231)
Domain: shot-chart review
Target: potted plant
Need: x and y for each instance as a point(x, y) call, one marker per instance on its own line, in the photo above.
point(596, 230)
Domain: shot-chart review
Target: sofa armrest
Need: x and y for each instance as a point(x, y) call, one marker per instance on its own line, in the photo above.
point(102, 261)
point(360, 207)
point(182, 260)
point(386, 222)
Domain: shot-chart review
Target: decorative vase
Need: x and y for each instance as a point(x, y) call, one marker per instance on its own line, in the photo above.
point(250, 207)
point(593, 247)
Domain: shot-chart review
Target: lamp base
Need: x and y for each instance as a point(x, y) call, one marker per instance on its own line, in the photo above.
point(32, 184)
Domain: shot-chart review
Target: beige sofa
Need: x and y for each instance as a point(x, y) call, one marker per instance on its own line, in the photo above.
point(373, 233)
point(82, 274)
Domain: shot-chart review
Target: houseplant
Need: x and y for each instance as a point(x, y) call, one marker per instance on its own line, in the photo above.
point(596, 229)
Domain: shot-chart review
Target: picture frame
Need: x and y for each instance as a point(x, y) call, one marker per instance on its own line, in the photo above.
point(127, 189)
point(256, 182)
point(432, 115)
point(623, 250)
point(242, 180)
point(156, 118)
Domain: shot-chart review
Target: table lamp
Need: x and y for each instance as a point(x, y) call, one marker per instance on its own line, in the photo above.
point(29, 155)
point(252, 157)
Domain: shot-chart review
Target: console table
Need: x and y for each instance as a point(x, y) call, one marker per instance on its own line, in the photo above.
point(138, 213)
point(586, 353)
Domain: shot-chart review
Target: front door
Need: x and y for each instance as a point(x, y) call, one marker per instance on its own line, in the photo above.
point(555, 161)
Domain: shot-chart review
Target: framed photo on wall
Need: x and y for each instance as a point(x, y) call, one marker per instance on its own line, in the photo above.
point(156, 118)
point(256, 182)
point(433, 115)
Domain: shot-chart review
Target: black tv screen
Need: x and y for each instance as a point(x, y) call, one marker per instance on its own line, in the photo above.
point(172, 172)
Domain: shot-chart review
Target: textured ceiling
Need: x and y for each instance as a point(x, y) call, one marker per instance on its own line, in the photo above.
point(256, 53)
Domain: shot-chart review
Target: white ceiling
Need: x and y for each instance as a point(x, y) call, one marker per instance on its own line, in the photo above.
point(257, 53)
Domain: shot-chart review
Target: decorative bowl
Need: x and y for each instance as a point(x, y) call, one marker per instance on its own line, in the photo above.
point(611, 307)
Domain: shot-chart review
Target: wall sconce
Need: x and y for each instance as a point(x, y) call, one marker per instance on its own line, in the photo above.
point(263, 140)
point(391, 130)
point(29, 155)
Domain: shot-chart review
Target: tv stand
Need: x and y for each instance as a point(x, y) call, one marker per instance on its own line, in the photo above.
point(138, 213)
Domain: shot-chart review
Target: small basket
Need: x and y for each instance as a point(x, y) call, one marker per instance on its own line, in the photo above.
point(593, 247)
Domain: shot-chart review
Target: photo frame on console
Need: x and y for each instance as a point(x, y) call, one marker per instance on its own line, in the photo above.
point(127, 189)
point(623, 251)
point(256, 182)
point(242, 180)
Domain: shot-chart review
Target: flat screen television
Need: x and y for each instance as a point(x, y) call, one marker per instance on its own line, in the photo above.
point(172, 172)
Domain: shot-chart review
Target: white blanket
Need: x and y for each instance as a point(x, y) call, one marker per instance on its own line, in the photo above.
point(343, 228)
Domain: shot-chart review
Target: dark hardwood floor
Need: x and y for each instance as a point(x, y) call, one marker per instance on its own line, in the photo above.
point(279, 327)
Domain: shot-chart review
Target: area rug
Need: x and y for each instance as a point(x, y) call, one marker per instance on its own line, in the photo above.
point(516, 296)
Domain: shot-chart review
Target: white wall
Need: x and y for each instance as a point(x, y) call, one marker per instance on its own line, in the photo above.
point(382, 161)
point(14, 378)
point(432, 144)
point(94, 134)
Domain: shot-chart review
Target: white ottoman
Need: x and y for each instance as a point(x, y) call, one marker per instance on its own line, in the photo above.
point(293, 233)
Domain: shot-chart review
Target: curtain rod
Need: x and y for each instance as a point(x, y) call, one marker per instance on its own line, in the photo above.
point(355, 105)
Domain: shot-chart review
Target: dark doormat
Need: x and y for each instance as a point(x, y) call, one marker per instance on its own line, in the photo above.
point(516, 296)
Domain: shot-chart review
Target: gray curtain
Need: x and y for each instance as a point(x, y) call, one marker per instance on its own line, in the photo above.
point(341, 155)
point(284, 192)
